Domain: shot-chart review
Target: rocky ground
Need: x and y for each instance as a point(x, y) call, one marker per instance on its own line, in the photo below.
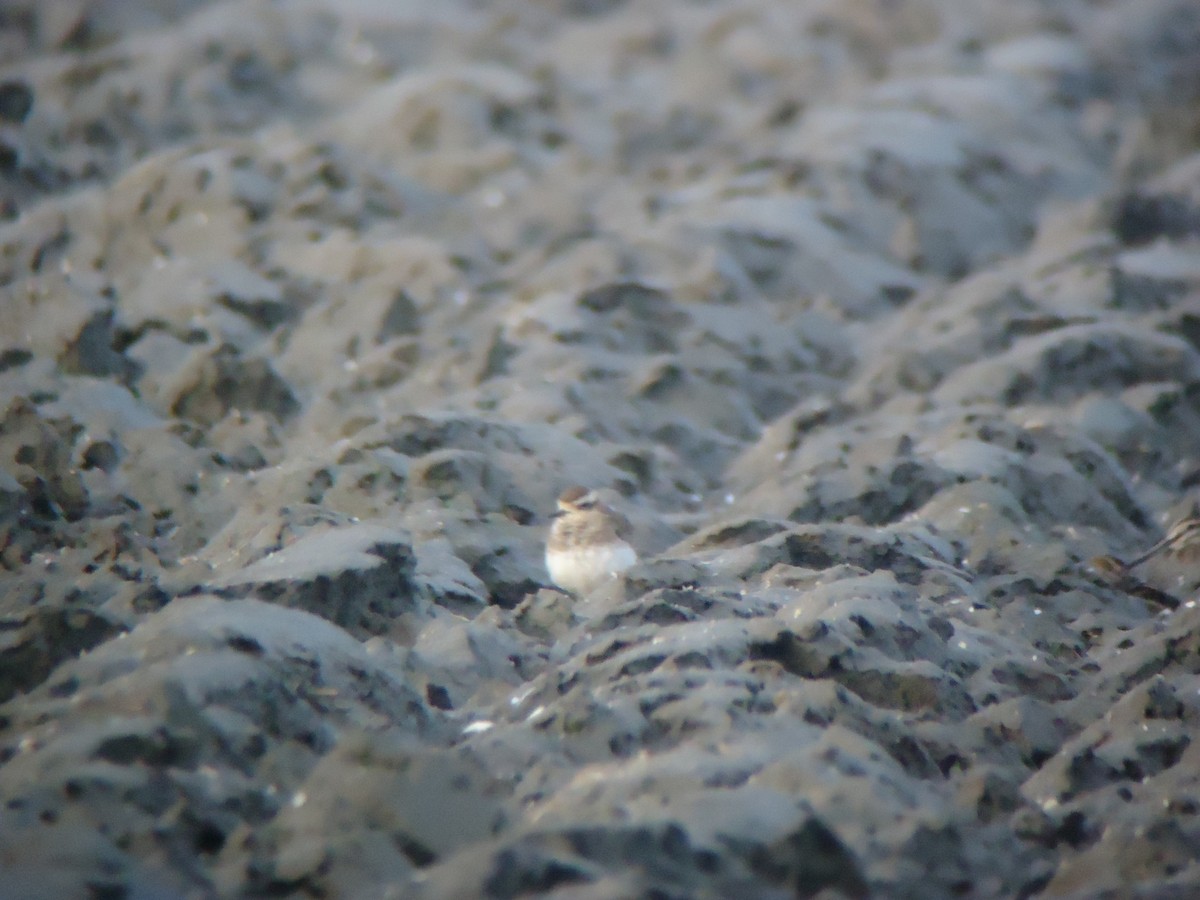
point(309, 309)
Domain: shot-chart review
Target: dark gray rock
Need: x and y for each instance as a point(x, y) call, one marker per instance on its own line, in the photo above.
point(209, 715)
point(360, 577)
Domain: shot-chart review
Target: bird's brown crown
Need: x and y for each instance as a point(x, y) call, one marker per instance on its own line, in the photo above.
point(571, 497)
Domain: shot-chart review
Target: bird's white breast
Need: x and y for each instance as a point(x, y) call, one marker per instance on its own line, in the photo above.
point(584, 567)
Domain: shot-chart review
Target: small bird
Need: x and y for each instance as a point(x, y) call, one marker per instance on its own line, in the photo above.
point(587, 544)
point(1182, 541)
point(1117, 574)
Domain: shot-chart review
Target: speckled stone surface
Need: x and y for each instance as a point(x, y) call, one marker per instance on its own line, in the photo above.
point(882, 320)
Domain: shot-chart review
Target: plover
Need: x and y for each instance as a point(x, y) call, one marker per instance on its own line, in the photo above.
point(587, 544)
point(1118, 575)
point(1182, 541)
